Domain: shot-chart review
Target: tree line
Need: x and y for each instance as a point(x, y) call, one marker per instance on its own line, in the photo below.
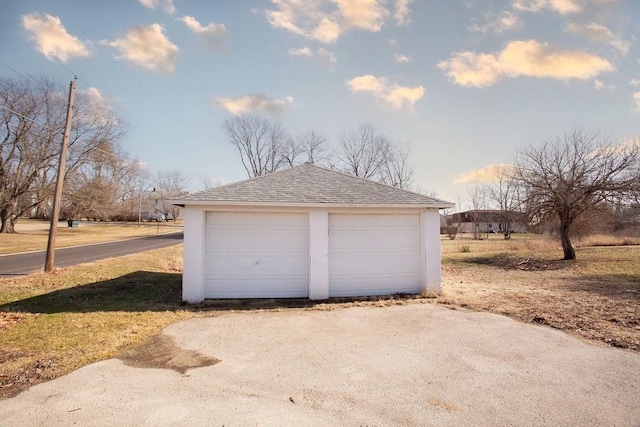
point(265, 146)
point(102, 182)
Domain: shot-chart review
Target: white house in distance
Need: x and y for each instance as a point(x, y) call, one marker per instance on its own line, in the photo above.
point(309, 232)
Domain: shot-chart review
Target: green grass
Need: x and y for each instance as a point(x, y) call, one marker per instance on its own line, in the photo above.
point(83, 314)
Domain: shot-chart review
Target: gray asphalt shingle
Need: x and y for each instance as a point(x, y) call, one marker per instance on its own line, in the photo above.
point(310, 184)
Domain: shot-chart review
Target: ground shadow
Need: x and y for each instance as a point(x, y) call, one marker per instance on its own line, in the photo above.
point(156, 291)
point(138, 291)
point(615, 286)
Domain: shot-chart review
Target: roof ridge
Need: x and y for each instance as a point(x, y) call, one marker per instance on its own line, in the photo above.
point(251, 178)
point(375, 182)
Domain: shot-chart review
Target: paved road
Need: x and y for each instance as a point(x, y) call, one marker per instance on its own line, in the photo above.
point(32, 262)
point(417, 364)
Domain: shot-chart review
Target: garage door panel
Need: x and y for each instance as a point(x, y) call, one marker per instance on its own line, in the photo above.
point(374, 254)
point(408, 264)
point(256, 255)
point(219, 218)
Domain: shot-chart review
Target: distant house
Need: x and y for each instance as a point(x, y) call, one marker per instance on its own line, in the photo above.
point(489, 221)
point(156, 206)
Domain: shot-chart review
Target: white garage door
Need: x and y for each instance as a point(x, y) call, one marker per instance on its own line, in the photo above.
point(374, 254)
point(256, 255)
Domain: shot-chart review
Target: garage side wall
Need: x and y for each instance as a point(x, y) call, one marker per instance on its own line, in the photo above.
point(192, 275)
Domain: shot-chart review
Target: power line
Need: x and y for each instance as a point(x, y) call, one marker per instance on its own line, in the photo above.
point(75, 75)
point(14, 70)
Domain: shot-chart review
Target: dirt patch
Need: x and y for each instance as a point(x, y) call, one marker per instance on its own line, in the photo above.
point(162, 352)
point(9, 319)
point(23, 378)
point(510, 262)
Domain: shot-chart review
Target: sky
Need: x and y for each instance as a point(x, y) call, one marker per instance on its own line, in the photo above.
point(466, 83)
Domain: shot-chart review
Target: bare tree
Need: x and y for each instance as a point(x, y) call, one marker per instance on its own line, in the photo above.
point(208, 183)
point(505, 195)
point(395, 169)
point(31, 129)
point(261, 143)
point(570, 176)
point(314, 146)
point(104, 187)
point(478, 212)
point(171, 184)
point(362, 152)
point(452, 227)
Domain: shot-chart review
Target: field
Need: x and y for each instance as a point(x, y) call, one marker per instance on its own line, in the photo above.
point(51, 324)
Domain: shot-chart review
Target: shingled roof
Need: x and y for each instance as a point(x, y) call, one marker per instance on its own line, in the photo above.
point(308, 184)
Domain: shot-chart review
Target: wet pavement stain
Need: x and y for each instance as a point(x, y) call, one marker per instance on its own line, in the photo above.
point(162, 352)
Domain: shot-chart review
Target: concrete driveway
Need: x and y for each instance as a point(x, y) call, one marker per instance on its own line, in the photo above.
point(416, 364)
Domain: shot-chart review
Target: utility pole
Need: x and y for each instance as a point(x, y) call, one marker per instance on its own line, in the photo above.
point(55, 213)
point(139, 207)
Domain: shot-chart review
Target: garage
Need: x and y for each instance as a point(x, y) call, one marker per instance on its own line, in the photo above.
point(309, 232)
point(256, 255)
point(374, 254)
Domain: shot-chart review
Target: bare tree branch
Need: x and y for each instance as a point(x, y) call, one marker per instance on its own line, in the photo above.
point(259, 142)
point(566, 178)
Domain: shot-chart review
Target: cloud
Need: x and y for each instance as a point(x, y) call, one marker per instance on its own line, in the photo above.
point(152, 4)
point(95, 96)
point(147, 47)
point(327, 58)
point(51, 38)
point(394, 95)
point(522, 58)
point(496, 23)
point(98, 109)
point(600, 85)
point(364, 14)
point(636, 97)
point(304, 18)
point(254, 103)
point(402, 12)
point(635, 82)
point(400, 58)
point(599, 33)
point(326, 20)
point(563, 7)
point(303, 51)
point(484, 175)
point(214, 35)
point(321, 55)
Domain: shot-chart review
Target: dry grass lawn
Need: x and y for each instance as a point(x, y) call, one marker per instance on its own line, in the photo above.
point(32, 235)
point(597, 296)
point(51, 324)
